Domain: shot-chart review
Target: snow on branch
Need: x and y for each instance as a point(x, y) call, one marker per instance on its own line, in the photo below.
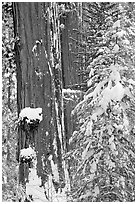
point(108, 90)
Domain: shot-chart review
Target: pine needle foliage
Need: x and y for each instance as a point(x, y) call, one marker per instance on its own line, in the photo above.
point(103, 154)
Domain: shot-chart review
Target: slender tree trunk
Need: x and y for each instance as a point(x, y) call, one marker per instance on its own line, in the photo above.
point(71, 64)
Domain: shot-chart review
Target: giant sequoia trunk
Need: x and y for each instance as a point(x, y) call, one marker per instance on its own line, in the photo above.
point(39, 84)
point(45, 66)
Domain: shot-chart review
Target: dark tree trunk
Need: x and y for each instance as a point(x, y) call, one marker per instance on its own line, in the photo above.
point(33, 76)
point(45, 58)
point(39, 83)
point(72, 64)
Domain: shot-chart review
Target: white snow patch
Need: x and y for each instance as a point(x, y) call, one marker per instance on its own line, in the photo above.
point(99, 111)
point(31, 114)
point(113, 67)
point(34, 48)
point(39, 41)
point(131, 81)
point(33, 187)
point(96, 191)
point(117, 92)
point(67, 91)
point(127, 42)
point(111, 139)
point(47, 133)
point(89, 128)
point(91, 72)
point(120, 34)
point(27, 153)
point(84, 153)
point(115, 76)
point(96, 91)
point(89, 82)
point(93, 167)
point(62, 26)
point(125, 122)
point(116, 48)
point(100, 50)
point(116, 24)
point(4, 179)
point(106, 93)
point(38, 73)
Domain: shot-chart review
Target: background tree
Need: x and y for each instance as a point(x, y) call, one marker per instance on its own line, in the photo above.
point(103, 151)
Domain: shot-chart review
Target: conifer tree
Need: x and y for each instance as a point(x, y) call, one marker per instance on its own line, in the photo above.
point(103, 144)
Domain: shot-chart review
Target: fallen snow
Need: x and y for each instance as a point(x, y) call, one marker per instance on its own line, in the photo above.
point(33, 186)
point(31, 114)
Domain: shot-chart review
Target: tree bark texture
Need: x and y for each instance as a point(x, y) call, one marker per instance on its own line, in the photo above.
point(72, 64)
point(45, 65)
point(36, 80)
